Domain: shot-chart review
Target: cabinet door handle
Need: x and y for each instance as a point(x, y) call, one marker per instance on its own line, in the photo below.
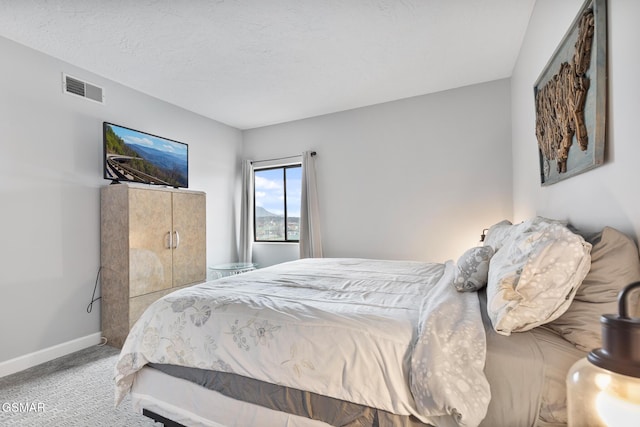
point(177, 240)
point(169, 240)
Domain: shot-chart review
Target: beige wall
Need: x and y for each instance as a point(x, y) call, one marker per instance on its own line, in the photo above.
point(415, 179)
point(50, 175)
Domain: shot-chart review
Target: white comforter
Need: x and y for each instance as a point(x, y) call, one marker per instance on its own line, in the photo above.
point(394, 335)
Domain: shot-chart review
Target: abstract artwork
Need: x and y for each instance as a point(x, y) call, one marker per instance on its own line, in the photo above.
point(570, 99)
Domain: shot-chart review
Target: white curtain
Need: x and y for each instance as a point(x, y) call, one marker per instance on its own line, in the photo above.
point(246, 213)
point(310, 239)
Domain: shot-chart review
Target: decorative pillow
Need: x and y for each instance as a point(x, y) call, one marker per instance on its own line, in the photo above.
point(615, 263)
point(498, 233)
point(536, 224)
point(533, 278)
point(472, 269)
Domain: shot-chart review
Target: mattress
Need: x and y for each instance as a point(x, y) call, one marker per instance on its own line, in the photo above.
point(525, 372)
point(194, 406)
point(394, 335)
point(313, 406)
point(190, 397)
point(277, 403)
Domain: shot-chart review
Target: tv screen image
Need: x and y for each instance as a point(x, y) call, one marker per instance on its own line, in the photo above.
point(135, 156)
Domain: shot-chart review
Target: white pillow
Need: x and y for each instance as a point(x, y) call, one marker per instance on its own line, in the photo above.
point(535, 275)
point(472, 269)
point(498, 233)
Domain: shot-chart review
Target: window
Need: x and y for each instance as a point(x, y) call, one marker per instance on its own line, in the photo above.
point(276, 204)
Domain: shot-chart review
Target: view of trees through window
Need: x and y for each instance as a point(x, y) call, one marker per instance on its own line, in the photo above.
point(277, 203)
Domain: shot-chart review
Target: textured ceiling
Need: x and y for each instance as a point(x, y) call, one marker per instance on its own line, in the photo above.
point(258, 62)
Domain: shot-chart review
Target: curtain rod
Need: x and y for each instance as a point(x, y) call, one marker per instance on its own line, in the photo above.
point(313, 153)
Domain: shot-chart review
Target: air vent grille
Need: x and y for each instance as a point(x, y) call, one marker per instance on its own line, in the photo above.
point(74, 86)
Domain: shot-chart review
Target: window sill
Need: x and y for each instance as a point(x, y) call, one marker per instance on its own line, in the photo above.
point(275, 242)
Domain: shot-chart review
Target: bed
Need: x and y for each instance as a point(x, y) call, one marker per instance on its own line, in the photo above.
point(360, 342)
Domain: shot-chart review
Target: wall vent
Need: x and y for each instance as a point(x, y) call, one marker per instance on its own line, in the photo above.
point(75, 86)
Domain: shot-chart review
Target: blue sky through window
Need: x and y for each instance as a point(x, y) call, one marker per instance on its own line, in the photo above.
point(269, 190)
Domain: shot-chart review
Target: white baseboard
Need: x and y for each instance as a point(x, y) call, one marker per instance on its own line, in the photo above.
point(27, 361)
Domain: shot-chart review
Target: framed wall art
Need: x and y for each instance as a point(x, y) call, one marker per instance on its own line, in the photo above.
point(570, 98)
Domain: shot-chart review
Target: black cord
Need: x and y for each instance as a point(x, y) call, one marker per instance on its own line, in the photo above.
point(93, 297)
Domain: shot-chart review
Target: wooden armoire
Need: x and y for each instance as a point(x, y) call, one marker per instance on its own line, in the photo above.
point(153, 241)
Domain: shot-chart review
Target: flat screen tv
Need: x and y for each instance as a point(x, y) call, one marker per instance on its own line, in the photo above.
point(134, 156)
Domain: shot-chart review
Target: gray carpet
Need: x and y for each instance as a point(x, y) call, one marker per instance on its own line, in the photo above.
point(74, 390)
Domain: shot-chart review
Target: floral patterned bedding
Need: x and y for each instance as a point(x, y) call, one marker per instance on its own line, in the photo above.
point(393, 335)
